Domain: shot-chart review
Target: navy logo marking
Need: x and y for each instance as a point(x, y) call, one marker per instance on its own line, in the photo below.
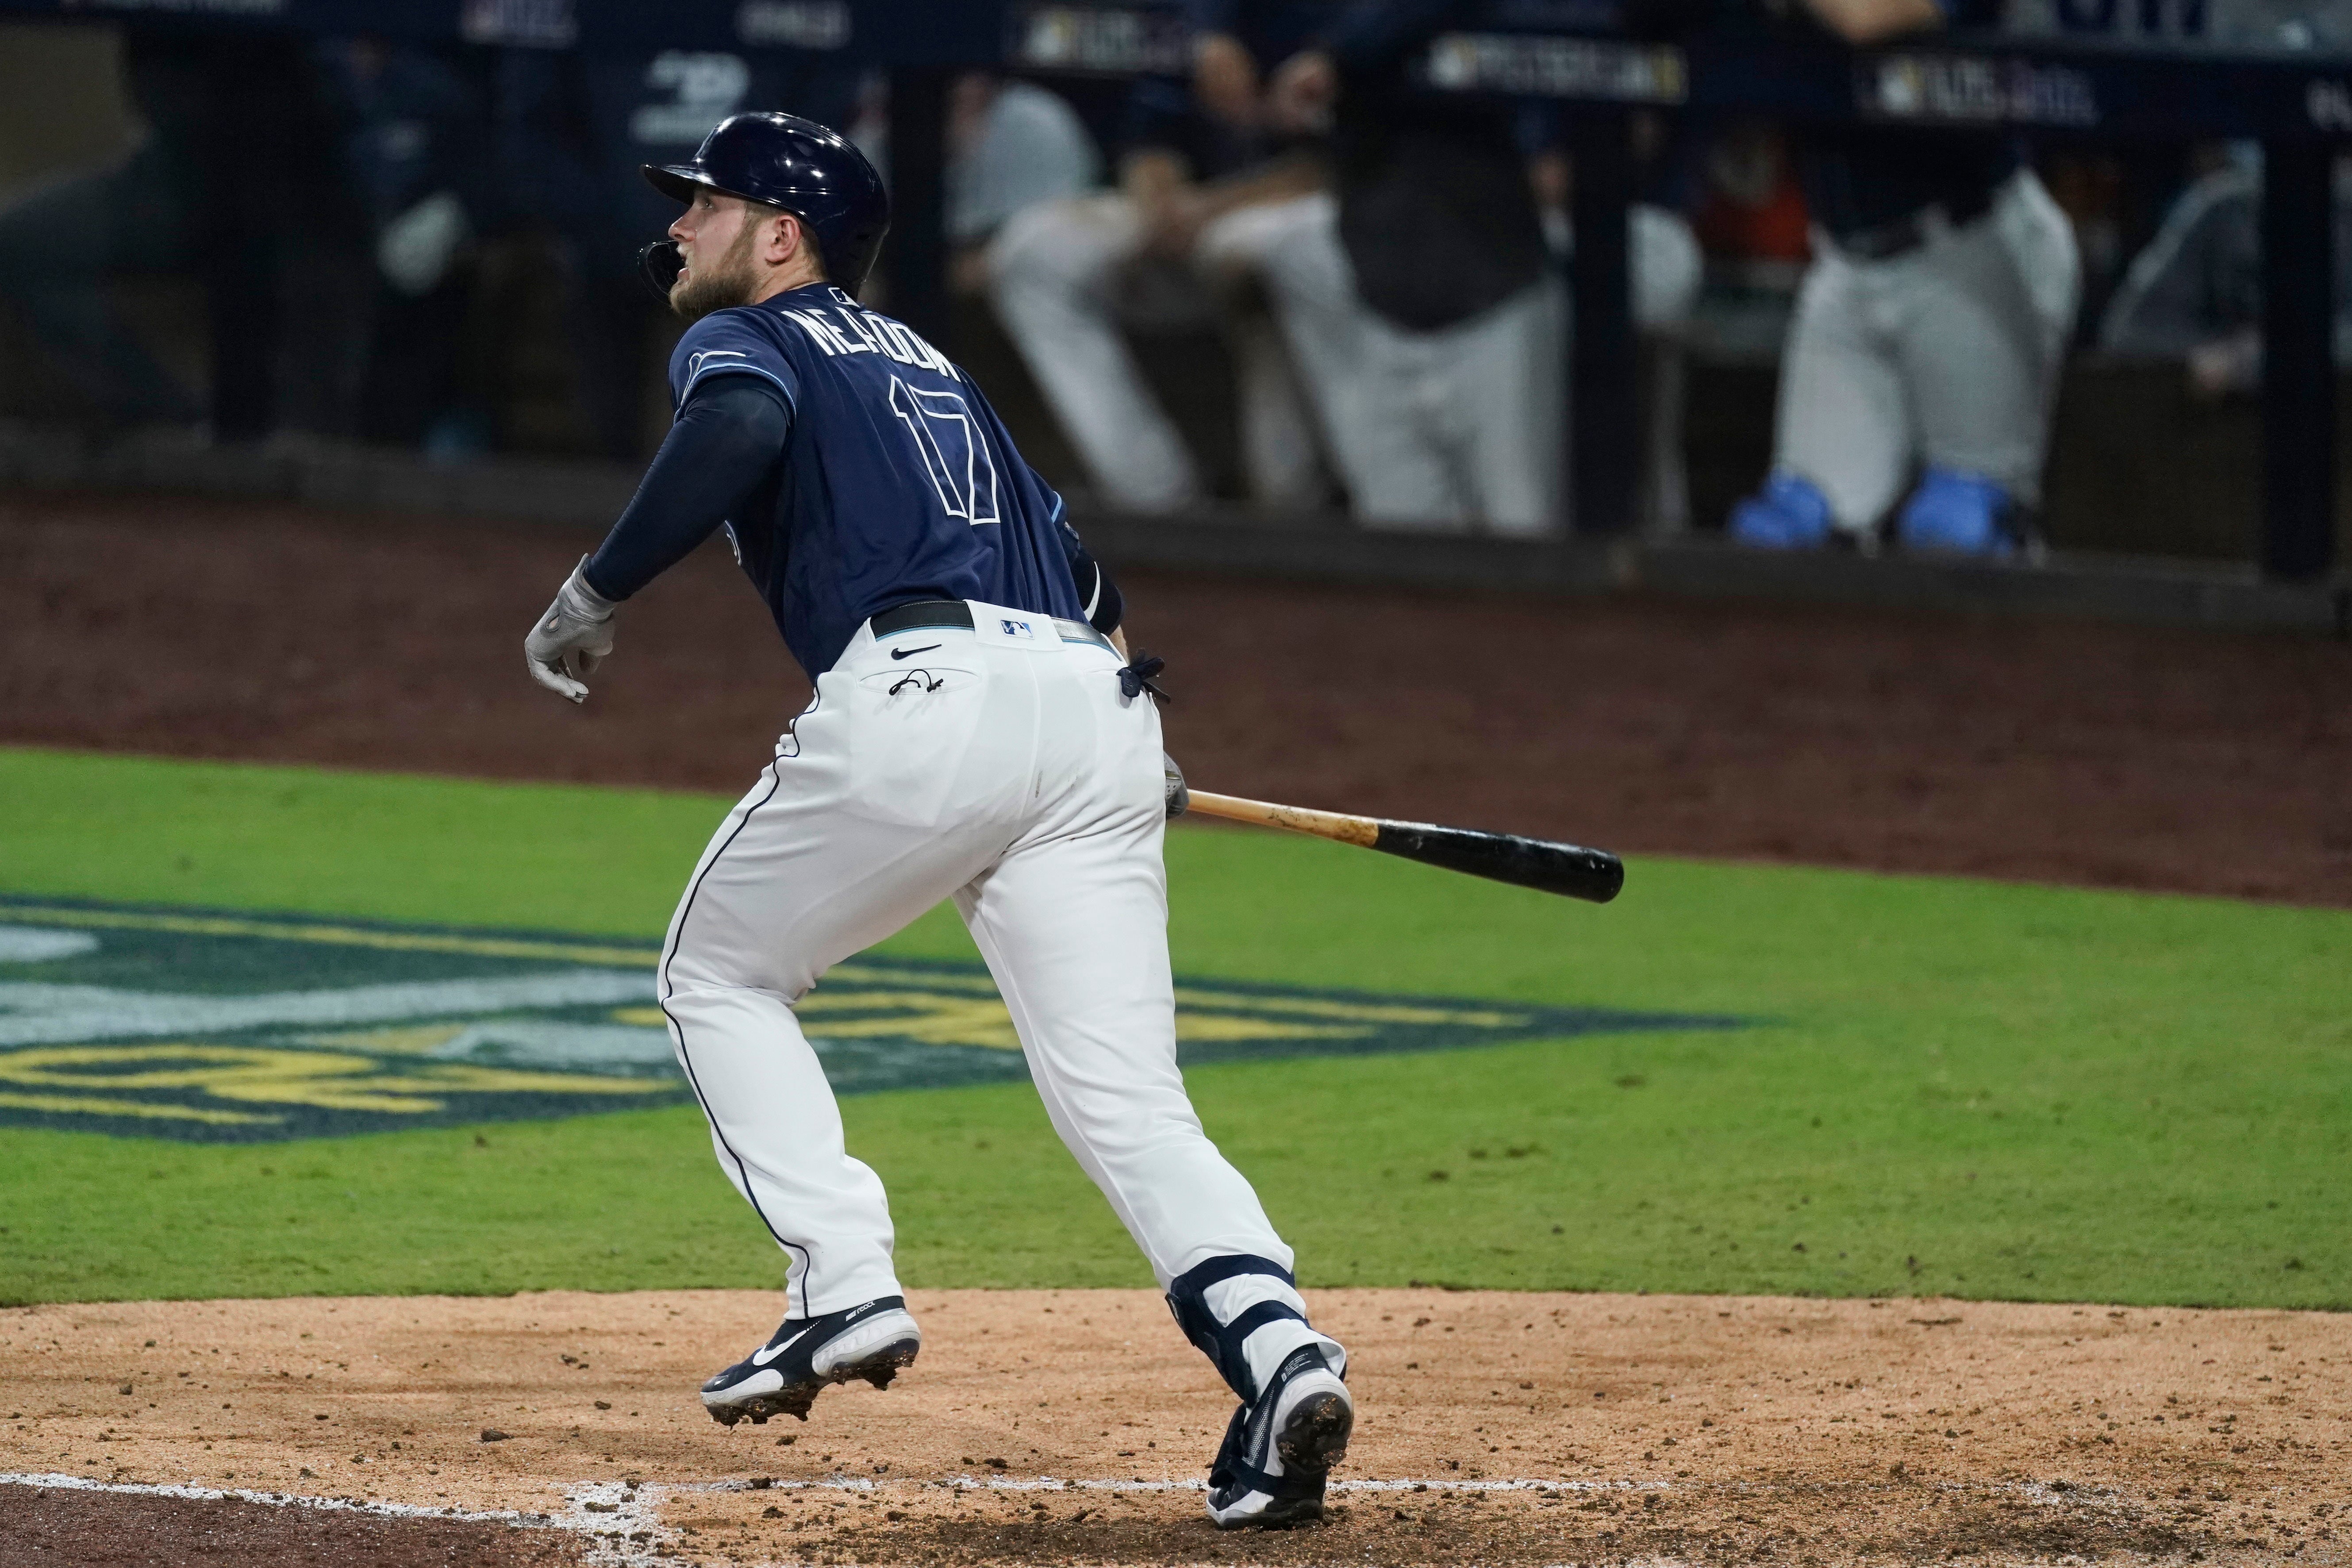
point(224, 1025)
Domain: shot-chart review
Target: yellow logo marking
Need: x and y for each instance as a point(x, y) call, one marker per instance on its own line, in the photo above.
point(255, 1074)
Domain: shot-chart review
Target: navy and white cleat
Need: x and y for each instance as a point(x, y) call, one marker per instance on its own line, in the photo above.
point(1278, 1451)
point(872, 1340)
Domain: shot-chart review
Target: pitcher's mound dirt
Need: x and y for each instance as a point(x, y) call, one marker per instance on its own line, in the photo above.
point(1073, 1427)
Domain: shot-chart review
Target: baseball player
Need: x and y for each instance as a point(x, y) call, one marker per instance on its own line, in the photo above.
point(1931, 328)
point(1421, 294)
point(979, 733)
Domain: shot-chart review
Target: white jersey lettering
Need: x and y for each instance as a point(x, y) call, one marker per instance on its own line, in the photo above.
point(820, 331)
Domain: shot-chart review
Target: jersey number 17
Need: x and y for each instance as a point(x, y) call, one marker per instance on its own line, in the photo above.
point(947, 440)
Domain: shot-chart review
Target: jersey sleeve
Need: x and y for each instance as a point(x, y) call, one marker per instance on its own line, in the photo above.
point(726, 344)
point(1099, 600)
point(723, 445)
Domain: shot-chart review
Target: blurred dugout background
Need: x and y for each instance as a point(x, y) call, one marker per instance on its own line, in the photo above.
point(215, 239)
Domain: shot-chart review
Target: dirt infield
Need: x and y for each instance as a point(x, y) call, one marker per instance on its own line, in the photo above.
point(1073, 1427)
point(2004, 747)
point(55, 1526)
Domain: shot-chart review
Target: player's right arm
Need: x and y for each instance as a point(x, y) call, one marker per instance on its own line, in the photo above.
point(728, 437)
point(734, 416)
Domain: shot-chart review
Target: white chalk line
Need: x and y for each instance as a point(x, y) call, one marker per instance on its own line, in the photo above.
point(629, 1514)
point(1056, 1484)
point(630, 1534)
point(622, 1527)
point(597, 1491)
point(60, 1482)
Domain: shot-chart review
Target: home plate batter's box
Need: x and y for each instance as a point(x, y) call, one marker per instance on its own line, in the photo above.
point(218, 1026)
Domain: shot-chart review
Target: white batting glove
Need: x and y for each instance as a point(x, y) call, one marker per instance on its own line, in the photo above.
point(572, 639)
point(1178, 796)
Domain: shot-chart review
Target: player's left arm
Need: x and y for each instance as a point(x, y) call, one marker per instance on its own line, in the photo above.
point(1105, 611)
point(728, 437)
point(1105, 606)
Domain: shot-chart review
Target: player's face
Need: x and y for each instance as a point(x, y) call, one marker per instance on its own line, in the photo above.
point(715, 236)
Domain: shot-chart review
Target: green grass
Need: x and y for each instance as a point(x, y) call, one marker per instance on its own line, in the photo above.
point(1961, 1086)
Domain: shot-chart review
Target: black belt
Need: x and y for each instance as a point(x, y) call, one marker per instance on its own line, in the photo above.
point(927, 613)
point(1908, 234)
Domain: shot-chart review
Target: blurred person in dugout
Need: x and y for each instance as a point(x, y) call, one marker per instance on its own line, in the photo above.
point(1929, 331)
point(2194, 295)
point(1206, 186)
point(1422, 301)
point(1429, 366)
point(1012, 145)
point(237, 181)
point(413, 122)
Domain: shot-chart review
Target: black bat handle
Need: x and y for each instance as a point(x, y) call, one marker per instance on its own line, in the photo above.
point(1593, 875)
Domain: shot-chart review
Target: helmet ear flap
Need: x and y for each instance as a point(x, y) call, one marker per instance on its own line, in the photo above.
point(659, 264)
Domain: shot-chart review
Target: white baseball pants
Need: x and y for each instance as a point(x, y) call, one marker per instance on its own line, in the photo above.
point(1429, 430)
point(1950, 354)
point(1002, 767)
point(1463, 426)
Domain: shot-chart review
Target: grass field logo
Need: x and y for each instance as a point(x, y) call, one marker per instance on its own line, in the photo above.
point(225, 1026)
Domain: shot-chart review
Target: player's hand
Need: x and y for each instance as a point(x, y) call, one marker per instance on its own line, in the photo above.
point(1173, 222)
point(1178, 796)
point(1302, 96)
point(572, 639)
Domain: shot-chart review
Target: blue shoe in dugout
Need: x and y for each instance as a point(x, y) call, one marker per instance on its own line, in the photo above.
point(872, 1340)
point(1957, 513)
point(1788, 513)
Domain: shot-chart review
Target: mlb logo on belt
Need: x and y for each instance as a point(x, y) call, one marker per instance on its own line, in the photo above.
point(1013, 628)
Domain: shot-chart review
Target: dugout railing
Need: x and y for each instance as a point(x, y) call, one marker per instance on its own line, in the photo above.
point(2129, 71)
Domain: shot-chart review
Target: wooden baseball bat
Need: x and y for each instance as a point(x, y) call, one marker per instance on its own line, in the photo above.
point(1593, 875)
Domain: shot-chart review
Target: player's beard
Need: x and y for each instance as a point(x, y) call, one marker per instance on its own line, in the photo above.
point(727, 282)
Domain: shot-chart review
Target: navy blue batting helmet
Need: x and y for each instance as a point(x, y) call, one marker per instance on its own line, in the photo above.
point(814, 173)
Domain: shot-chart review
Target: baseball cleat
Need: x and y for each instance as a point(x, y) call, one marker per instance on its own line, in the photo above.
point(872, 1340)
point(1277, 1451)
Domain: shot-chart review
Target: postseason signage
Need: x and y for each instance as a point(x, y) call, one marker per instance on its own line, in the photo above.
point(2167, 68)
point(1975, 90)
point(2198, 73)
point(1598, 70)
point(227, 1027)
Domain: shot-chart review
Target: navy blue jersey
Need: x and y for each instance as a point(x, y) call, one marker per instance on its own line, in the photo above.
point(897, 481)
